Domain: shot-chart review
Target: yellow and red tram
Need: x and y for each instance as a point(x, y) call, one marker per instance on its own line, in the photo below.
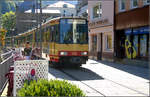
point(64, 40)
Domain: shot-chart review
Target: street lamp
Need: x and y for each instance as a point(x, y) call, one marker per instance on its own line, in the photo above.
point(41, 28)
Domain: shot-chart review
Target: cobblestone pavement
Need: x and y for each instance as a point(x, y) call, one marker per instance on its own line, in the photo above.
point(106, 79)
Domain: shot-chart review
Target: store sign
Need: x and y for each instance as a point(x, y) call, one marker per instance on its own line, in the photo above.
point(73, 21)
point(98, 23)
point(128, 31)
point(136, 31)
point(142, 30)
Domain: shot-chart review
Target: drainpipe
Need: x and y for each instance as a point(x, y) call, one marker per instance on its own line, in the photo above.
point(131, 41)
point(114, 31)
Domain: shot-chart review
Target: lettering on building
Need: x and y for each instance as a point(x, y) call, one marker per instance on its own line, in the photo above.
point(98, 23)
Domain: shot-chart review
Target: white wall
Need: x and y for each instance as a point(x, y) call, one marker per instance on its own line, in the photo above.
point(107, 10)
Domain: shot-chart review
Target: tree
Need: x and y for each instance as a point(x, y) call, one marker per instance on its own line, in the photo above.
point(9, 21)
point(2, 36)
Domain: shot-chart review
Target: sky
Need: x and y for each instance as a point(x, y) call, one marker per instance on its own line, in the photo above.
point(25, 5)
point(53, 1)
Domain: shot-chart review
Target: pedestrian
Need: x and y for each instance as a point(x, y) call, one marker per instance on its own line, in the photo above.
point(27, 51)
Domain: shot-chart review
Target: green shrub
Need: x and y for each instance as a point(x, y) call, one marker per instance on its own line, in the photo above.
point(49, 88)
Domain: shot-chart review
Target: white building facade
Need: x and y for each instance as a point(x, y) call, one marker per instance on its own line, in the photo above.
point(101, 29)
point(65, 9)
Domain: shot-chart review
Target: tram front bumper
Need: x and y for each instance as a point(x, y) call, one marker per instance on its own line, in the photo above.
point(73, 59)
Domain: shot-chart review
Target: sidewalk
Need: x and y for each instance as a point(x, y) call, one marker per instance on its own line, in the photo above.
point(4, 93)
point(132, 62)
point(132, 68)
point(131, 77)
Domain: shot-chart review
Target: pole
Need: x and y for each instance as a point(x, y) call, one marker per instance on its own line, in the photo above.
point(12, 33)
point(37, 18)
point(40, 28)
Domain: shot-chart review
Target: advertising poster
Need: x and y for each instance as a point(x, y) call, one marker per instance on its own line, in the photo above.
point(135, 43)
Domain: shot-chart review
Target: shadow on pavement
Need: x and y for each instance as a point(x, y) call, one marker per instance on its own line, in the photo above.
point(136, 70)
point(72, 73)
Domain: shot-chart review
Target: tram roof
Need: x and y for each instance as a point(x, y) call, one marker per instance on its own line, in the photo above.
point(76, 17)
point(63, 17)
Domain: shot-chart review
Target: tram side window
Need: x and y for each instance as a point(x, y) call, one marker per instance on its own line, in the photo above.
point(28, 38)
point(48, 34)
point(43, 34)
point(54, 33)
point(51, 33)
point(43, 31)
point(37, 35)
point(57, 33)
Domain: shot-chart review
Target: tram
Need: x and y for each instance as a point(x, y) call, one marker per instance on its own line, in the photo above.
point(64, 40)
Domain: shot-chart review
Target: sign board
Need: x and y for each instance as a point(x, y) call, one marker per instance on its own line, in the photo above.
point(144, 30)
point(141, 30)
point(27, 70)
point(128, 31)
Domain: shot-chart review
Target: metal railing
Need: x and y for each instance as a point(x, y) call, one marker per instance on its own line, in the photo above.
point(4, 69)
point(6, 55)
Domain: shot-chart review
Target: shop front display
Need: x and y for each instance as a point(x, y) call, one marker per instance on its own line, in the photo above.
point(136, 43)
point(143, 47)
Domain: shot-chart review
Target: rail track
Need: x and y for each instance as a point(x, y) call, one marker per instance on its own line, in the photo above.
point(77, 79)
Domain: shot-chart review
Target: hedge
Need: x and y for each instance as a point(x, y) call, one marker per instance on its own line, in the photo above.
point(49, 88)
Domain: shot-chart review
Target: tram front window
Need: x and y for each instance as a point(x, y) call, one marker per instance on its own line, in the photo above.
point(73, 31)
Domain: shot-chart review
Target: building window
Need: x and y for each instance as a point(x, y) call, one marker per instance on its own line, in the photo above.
point(146, 2)
point(108, 42)
point(134, 3)
point(122, 5)
point(97, 11)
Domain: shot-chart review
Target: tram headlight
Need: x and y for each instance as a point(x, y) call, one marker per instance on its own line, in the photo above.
point(63, 53)
point(84, 53)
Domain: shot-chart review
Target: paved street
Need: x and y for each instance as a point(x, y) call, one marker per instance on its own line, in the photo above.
point(106, 79)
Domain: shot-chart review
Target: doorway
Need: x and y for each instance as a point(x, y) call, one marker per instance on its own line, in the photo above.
point(120, 47)
point(99, 55)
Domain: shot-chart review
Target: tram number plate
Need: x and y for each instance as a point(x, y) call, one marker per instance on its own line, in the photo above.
point(74, 53)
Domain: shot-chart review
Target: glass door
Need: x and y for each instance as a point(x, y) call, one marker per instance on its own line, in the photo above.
point(143, 45)
point(135, 44)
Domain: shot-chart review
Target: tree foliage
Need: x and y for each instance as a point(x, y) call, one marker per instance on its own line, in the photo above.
point(9, 21)
point(2, 36)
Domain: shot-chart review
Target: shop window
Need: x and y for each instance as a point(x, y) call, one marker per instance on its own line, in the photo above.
point(143, 45)
point(134, 3)
point(94, 47)
point(135, 44)
point(122, 5)
point(97, 11)
point(108, 42)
